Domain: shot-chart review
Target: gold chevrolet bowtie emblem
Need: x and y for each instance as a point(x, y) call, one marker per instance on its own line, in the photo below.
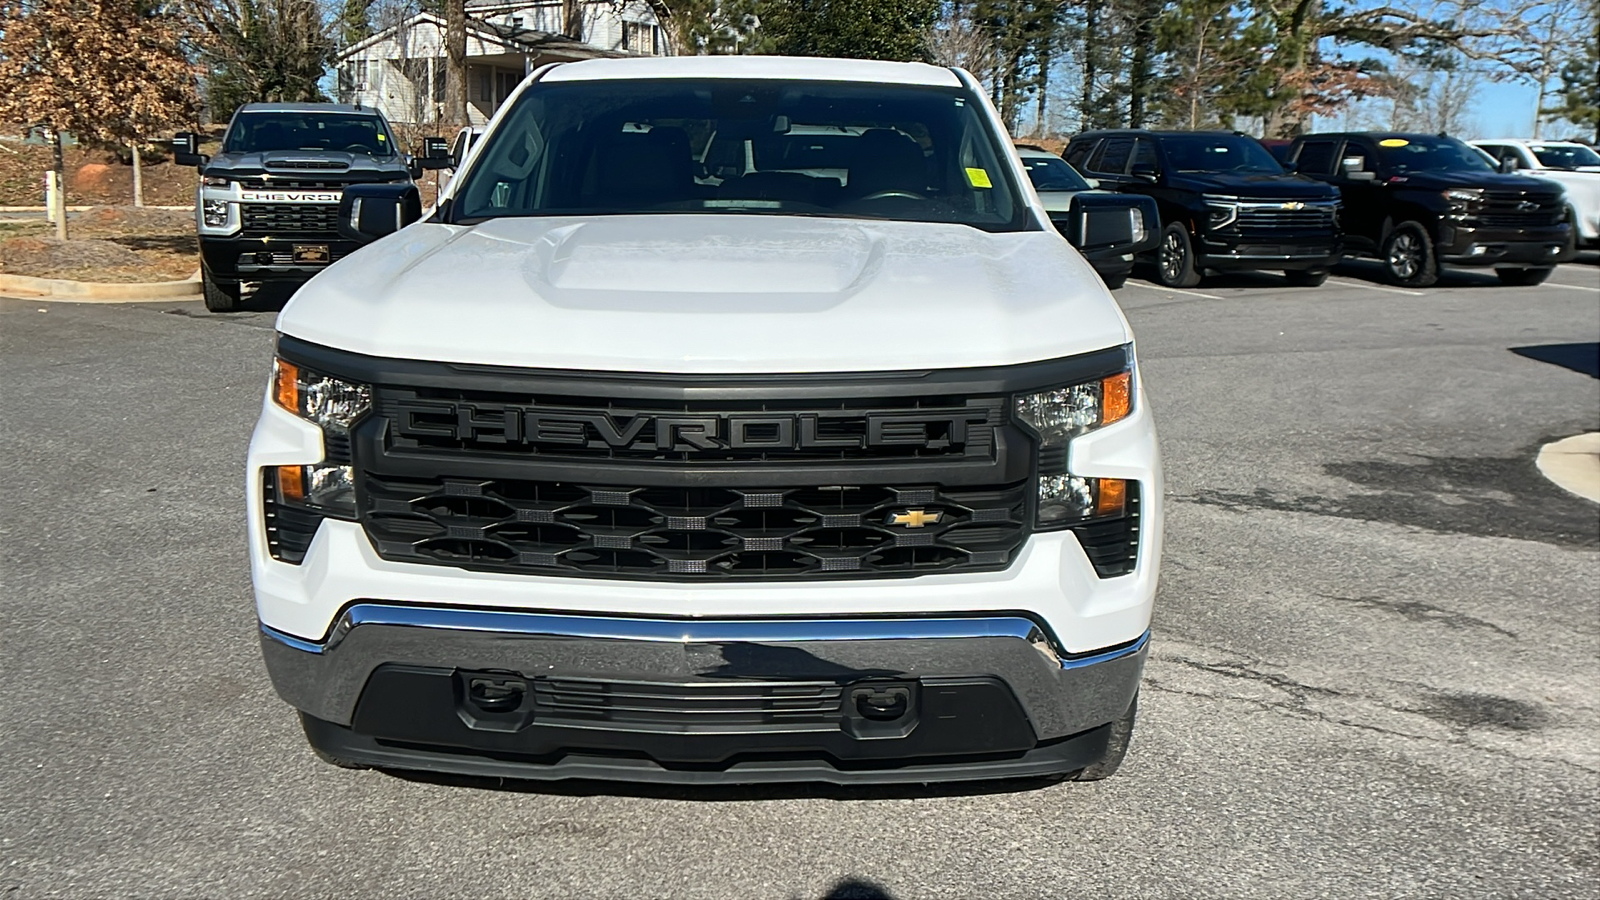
point(1293, 204)
point(915, 518)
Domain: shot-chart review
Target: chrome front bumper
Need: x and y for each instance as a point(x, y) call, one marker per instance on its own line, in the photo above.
point(1060, 695)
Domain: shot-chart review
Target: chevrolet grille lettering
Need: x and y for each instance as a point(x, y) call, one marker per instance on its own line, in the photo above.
point(915, 518)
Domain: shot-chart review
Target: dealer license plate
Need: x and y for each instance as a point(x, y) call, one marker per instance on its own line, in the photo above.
point(310, 253)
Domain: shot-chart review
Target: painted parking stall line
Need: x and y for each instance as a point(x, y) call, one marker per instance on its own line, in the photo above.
point(1374, 287)
point(1167, 290)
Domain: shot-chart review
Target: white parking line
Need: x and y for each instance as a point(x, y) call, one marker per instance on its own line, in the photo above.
point(1374, 287)
point(1571, 287)
point(1167, 290)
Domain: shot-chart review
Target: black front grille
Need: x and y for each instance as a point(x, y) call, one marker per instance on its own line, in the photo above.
point(1517, 210)
point(290, 184)
point(1257, 218)
point(693, 533)
point(275, 219)
point(568, 428)
point(699, 704)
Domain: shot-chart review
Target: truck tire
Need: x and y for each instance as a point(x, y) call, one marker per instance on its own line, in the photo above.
point(1175, 258)
point(1408, 257)
point(1524, 277)
point(219, 297)
point(1116, 749)
point(1306, 277)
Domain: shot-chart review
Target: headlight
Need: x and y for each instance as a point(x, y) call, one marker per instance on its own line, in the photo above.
point(1220, 212)
point(334, 405)
point(1464, 195)
point(215, 181)
point(329, 402)
point(1136, 219)
point(1056, 417)
point(216, 213)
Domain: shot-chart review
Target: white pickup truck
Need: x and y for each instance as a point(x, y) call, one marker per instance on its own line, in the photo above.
point(1574, 166)
point(728, 420)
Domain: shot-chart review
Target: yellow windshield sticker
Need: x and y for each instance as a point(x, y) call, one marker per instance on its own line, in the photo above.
point(1393, 142)
point(383, 137)
point(978, 178)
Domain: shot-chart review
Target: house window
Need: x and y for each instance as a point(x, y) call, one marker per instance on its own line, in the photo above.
point(505, 83)
point(640, 37)
point(485, 92)
point(440, 69)
point(358, 73)
point(515, 22)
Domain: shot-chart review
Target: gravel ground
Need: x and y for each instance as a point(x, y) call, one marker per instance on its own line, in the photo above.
point(1375, 668)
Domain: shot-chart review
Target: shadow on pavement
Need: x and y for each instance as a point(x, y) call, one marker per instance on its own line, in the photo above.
point(727, 793)
point(1581, 358)
point(857, 889)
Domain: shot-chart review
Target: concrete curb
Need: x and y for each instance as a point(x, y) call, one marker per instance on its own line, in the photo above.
point(99, 291)
point(1573, 464)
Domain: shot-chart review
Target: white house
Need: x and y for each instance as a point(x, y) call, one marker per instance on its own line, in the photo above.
point(401, 69)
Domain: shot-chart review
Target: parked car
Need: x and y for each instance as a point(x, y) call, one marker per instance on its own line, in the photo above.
point(1419, 201)
point(1108, 228)
point(1570, 164)
point(731, 419)
point(266, 202)
point(1225, 203)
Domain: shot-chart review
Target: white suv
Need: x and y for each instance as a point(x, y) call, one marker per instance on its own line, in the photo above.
point(730, 419)
point(1574, 166)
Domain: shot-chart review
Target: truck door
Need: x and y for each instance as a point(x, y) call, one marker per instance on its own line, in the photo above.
point(1362, 193)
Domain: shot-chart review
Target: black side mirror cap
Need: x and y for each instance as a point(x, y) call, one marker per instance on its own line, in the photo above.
point(368, 212)
point(186, 150)
point(1105, 225)
point(435, 155)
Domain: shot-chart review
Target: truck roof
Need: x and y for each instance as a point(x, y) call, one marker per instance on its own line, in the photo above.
point(309, 107)
point(791, 68)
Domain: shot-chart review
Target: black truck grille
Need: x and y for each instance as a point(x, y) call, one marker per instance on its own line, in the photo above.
point(703, 704)
point(275, 219)
point(564, 428)
point(1517, 210)
point(690, 533)
point(1275, 216)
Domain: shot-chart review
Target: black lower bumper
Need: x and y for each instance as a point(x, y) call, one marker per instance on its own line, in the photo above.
point(229, 260)
point(1532, 247)
point(852, 701)
point(1272, 252)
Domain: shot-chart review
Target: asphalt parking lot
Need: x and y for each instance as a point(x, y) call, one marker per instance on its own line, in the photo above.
point(1376, 669)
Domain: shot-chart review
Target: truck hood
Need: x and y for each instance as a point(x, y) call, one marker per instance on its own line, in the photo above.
point(321, 165)
point(1252, 186)
point(704, 294)
point(1475, 178)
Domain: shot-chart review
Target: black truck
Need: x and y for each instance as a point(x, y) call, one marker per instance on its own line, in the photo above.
point(1418, 201)
point(1225, 203)
point(267, 206)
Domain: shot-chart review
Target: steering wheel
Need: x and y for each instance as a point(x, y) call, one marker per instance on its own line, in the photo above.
point(904, 195)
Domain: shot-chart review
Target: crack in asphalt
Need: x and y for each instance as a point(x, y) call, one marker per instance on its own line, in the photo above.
point(1422, 613)
point(1462, 712)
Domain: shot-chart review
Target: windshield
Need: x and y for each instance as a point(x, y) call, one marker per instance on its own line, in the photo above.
point(1565, 156)
point(1430, 154)
point(1053, 174)
point(265, 131)
point(1218, 153)
point(726, 146)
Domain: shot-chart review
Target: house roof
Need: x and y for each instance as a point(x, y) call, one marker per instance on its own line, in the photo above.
point(760, 67)
point(517, 41)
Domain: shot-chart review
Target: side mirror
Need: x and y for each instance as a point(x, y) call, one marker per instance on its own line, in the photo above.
point(1509, 164)
point(1093, 183)
point(371, 211)
point(186, 150)
point(435, 155)
point(1143, 171)
point(1107, 225)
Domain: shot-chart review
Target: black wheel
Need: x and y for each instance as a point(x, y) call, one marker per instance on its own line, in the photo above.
point(1408, 256)
point(219, 297)
point(1114, 281)
point(1524, 277)
point(1175, 260)
point(1116, 750)
point(1306, 277)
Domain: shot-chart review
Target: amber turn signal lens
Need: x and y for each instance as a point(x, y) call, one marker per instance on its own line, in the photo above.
point(1116, 397)
point(291, 484)
point(1111, 498)
point(286, 385)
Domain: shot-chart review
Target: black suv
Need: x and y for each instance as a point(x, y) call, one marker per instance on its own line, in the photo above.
point(1416, 201)
point(1225, 203)
point(267, 206)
